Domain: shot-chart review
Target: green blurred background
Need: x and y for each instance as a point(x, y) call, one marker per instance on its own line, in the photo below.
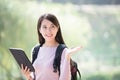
point(94, 24)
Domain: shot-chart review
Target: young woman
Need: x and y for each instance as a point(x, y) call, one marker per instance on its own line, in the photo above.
point(49, 34)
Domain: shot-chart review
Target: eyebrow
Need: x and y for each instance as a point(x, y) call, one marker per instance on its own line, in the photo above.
point(50, 24)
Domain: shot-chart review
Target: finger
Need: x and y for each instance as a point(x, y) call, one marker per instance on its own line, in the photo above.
point(22, 69)
point(22, 66)
point(31, 78)
point(26, 68)
point(73, 50)
point(28, 71)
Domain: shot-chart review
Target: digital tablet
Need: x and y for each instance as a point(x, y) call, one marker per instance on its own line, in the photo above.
point(21, 58)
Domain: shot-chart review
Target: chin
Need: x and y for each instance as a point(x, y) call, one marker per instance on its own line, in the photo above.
point(49, 39)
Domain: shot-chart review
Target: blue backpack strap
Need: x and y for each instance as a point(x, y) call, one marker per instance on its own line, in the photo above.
point(57, 59)
point(35, 53)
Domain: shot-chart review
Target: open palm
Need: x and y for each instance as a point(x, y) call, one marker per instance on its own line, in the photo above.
point(73, 50)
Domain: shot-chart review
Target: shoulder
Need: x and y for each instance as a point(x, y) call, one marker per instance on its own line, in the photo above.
point(65, 51)
point(64, 57)
point(35, 47)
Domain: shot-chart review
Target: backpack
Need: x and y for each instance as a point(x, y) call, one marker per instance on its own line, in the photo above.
point(57, 59)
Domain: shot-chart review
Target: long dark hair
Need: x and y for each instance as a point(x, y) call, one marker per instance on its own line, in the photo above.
point(55, 21)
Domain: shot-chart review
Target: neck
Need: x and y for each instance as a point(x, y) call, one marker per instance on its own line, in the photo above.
point(51, 44)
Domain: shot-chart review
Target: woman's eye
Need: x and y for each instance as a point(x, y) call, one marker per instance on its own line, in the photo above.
point(44, 27)
point(53, 26)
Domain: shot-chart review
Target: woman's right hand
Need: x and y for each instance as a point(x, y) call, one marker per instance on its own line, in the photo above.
point(26, 72)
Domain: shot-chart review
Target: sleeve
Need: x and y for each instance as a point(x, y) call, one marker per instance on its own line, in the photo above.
point(65, 73)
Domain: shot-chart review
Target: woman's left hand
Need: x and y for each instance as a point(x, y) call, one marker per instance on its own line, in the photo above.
point(73, 50)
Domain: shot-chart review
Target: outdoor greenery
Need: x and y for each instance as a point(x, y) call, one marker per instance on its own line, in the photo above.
point(96, 27)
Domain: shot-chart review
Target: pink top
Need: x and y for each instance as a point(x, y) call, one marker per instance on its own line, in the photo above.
point(44, 65)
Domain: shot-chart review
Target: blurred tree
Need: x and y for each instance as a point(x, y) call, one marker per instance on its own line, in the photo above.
point(11, 26)
point(97, 77)
point(82, 2)
point(99, 29)
point(116, 76)
point(105, 33)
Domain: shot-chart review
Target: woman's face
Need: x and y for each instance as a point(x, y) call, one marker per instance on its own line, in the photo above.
point(48, 30)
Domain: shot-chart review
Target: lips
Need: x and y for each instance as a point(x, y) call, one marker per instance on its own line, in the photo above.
point(49, 35)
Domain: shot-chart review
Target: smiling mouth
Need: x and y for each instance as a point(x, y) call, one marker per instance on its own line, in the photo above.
point(48, 35)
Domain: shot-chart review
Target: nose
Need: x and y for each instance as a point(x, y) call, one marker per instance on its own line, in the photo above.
point(48, 29)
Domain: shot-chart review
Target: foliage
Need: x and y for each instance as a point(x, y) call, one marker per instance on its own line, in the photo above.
point(95, 27)
point(97, 77)
point(116, 76)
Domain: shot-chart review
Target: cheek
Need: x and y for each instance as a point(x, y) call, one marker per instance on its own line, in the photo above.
point(41, 32)
point(55, 32)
